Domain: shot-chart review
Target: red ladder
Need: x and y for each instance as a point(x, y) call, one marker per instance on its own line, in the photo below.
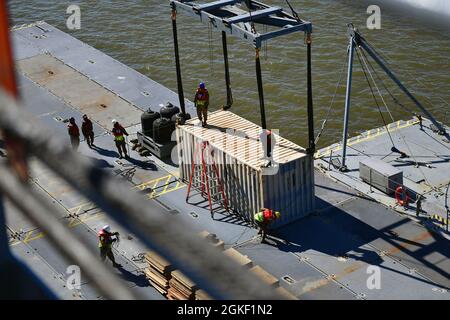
point(205, 176)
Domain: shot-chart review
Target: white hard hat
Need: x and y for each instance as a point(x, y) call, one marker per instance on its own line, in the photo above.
point(107, 228)
point(114, 121)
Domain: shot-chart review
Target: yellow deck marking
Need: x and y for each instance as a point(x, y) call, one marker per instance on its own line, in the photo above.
point(72, 222)
point(362, 138)
point(76, 210)
point(38, 236)
point(167, 189)
point(75, 222)
point(14, 243)
point(29, 238)
point(167, 184)
point(440, 219)
point(78, 207)
point(29, 233)
point(154, 182)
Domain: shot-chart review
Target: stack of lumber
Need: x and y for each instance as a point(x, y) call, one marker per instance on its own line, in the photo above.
point(212, 238)
point(265, 276)
point(181, 287)
point(235, 255)
point(202, 295)
point(284, 294)
point(158, 271)
point(176, 286)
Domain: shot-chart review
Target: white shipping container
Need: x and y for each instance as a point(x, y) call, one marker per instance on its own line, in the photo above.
point(286, 186)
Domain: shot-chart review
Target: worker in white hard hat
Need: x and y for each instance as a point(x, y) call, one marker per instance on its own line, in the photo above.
point(119, 134)
point(106, 239)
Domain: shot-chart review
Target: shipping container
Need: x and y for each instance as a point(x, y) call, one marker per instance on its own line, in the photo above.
point(287, 185)
point(380, 175)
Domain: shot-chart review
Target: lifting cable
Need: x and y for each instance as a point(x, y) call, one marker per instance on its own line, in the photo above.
point(249, 5)
point(265, 44)
point(375, 84)
point(386, 59)
point(374, 97)
point(294, 13)
point(384, 85)
point(324, 123)
point(211, 54)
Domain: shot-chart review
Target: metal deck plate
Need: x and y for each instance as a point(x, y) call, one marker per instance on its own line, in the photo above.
point(108, 72)
point(308, 283)
point(196, 213)
point(84, 94)
point(44, 271)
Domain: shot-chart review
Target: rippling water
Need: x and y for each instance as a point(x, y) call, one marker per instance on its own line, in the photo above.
point(138, 33)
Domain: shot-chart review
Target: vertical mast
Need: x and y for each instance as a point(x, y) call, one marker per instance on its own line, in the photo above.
point(351, 49)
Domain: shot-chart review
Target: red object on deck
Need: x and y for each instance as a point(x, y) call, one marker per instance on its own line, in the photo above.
point(15, 149)
point(206, 174)
point(7, 74)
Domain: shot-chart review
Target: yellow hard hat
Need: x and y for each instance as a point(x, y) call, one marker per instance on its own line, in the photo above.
point(277, 214)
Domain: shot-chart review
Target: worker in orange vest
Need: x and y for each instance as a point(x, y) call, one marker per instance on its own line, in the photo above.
point(263, 219)
point(201, 101)
point(118, 131)
point(106, 238)
point(74, 133)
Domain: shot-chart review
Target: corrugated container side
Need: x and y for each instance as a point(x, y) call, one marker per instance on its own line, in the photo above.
point(290, 191)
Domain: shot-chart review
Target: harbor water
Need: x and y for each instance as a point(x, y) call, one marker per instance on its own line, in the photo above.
point(139, 34)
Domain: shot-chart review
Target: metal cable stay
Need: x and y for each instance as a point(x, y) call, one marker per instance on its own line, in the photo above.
point(166, 234)
point(385, 58)
point(356, 43)
point(366, 70)
point(369, 68)
point(338, 85)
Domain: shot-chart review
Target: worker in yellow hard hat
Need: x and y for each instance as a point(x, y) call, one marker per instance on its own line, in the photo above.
point(263, 219)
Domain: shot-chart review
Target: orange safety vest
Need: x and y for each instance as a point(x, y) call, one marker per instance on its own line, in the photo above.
point(265, 215)
point(105, 239)
point(201, 97)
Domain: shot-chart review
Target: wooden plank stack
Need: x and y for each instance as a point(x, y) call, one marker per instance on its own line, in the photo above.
point(181, 287)
point(265, 276)
point(235, 255)
point(176, 286)
point(212, 238)
point(158, 271)
point(202, 295)
point(284, 294)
